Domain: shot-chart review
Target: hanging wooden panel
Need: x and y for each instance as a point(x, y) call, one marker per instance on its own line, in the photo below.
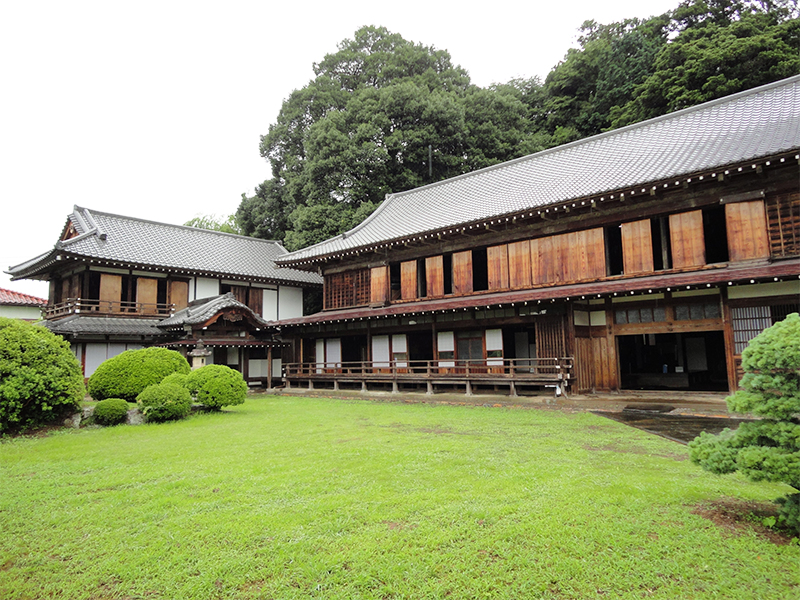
point(542, 260)
point(147, 294)
point(687, 240)
point(110, 291)
point(497, 261)
point(379, 284)
point(746, 223)
point(637, 247)
point(178, 294)
point(783, 212)
point(408, 280)
point(595, 253)
point(255, 300)
point(434, 275)
point(519, 265)
point(462, 272)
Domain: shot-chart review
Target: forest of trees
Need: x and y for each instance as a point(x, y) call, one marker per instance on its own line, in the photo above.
point(385, 115)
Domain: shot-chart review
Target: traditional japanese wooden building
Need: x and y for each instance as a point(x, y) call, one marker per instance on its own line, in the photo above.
point(642, 258)
point(119, 283)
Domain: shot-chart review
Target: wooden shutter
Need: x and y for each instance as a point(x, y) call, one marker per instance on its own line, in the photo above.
point(637, 247)
point(462, 272)
point(497, 263)
point(408, 280)
point(110, 292)
point(255, 300)
point(178, 294)
point(147, 294)
point(686, 237)
point(379, 284)
point(746, 224)
point(434, 275)
point(519, 264)
point(595, 253)
point(550, 339)
point(543, 265)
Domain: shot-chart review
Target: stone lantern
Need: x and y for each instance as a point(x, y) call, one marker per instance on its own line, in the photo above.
point(199, 355)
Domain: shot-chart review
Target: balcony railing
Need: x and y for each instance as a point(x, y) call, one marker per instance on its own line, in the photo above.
point(550, 372)
point(72, 306)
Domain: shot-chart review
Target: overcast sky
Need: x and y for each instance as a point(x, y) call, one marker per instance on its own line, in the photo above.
point(154, 109)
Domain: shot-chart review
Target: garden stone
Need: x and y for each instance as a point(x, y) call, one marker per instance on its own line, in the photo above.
point(74, 421)
point(135, 417)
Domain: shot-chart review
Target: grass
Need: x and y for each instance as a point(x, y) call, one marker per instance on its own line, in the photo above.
point(314, 498)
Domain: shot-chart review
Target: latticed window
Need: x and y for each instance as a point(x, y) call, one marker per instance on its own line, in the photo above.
point(350, 288)
point(749, 321)
point(783, 213)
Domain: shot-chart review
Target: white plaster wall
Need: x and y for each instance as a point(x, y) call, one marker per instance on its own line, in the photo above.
point(380, 351)
point(204, 287)
point(270, 305)
point(290, 302)
point(29, 313)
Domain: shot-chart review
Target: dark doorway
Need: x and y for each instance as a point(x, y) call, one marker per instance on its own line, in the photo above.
point(354, 348)
point(679, 361)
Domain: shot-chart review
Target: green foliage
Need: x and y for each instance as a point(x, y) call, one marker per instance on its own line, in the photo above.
point(127, 374)
point(216, 386)
point(176, 378)
point(111, 411)
point(768, 449)
point(227, 225)
point(165, 402)
point(40, 378)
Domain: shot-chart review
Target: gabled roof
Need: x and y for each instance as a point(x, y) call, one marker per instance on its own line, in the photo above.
point(757, 123)
point(12, 298)
point(117, 240)
point(200, 311)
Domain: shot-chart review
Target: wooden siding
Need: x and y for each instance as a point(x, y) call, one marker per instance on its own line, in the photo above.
point(379, 284)
point(519, 265)
point(497, 263)
point(550, 338)
point(746, 223)
point(239, 293)
point(434, 275)
point(178, 294)
point(462, 272)
point(408, 280)
point(783, 213)
point(255, 300)
point(637, 247)
point(110, 287)
point(577, 256)
point(687, 240)
point(349, 288)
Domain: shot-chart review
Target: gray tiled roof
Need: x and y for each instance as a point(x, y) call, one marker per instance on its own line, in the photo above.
point(761, 122)
point(129, 241)
point(201, 311)
point(88, 325)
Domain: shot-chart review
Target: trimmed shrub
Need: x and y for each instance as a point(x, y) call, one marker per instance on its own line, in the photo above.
point(40, 379)
point(111, 411)
point(128, 374)
point(165, 402)
point(767, 449)
point(176, 378)
point(216, 386)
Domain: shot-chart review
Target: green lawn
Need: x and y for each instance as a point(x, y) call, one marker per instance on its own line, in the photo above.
point(315, 498)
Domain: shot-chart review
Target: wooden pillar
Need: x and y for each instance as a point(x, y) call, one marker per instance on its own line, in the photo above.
point(269, 368)
point(730, 345)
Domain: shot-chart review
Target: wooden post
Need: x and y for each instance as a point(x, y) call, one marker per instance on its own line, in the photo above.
point(269, 368)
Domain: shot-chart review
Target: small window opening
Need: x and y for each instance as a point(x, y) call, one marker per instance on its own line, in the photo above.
point(613, 236)
point(394, 280)
point(662, 249)
point(480, 270)
point(447, 267)
point(422, 279)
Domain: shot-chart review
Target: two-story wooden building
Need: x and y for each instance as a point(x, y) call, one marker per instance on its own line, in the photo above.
point(118, 283)
point(642, 258)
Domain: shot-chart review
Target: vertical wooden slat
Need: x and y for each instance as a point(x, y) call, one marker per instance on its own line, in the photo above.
point(239, 293)
point(434, 275)
point(408, 280)
point(462, 272)
point(550, 337)
point(519, 264)
point(687, 240)
point(637, 247)
point(379, 284)
point(255, 300)
point(746, 224)
point(497, 260)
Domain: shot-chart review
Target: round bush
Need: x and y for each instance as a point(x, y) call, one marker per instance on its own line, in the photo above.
point(111, 411)
point(40, 379)
point(165, 402)
point(176, 378)
point(217, 386)
point(128, 374)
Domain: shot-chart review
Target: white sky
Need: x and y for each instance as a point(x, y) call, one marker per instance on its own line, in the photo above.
point(154, 109)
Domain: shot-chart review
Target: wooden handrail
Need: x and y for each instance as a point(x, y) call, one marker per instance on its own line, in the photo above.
point(107, 307)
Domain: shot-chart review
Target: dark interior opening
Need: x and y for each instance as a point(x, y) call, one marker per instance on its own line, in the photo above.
point(480, 270)
point(420, 347)
point(422, 280)
point(614, 264)
point(679, 361)
point(715, 232)
point(662, 249)
point(447, 268)
point(354, 348)
point(161, 291)
point(394, 280)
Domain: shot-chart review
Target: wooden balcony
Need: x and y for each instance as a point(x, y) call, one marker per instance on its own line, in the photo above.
point(73, 306)
point(433, 374)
